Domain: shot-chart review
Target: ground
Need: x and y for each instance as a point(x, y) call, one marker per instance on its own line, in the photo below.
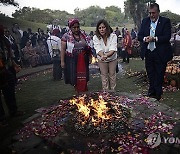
point(39, 90)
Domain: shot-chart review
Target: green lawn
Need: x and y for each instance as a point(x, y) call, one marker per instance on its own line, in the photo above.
point(41, 91)
point(8, 22)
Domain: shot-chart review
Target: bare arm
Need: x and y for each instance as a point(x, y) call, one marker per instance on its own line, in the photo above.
point(63, 49)
point(110, 53)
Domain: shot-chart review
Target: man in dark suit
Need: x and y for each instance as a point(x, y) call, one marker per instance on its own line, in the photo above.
point(155, 33)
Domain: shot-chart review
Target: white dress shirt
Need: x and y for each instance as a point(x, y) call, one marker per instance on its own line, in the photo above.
point(111, 45)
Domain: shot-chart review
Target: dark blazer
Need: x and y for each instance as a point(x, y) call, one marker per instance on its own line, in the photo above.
point(163, 33)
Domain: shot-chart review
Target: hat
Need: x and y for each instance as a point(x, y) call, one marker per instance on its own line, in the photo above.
point(72, 21)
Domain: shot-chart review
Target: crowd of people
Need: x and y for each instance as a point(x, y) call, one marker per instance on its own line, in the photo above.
point(71, 49)
point(128, 44)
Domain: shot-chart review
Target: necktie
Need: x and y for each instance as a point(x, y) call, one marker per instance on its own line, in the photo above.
point(151, 45)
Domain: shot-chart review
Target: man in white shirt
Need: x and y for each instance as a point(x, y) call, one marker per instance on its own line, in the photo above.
point(54, 46)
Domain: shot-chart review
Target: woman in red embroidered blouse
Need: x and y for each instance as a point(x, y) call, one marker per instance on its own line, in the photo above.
point(75, 54)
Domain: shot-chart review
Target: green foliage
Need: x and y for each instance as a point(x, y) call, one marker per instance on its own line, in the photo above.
point(9, 2)
point(175, 18)
point(41, 16)
point(88, 17)
point(8, 22)
point(91, 15)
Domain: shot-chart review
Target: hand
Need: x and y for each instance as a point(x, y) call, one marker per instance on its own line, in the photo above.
point(62, 64)
point(149, 39)
point(104, 57)
point(17, 68)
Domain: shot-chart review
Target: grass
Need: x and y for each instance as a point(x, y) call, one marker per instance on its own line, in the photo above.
point(129, 26)
point(40, 90)
point(8, 22)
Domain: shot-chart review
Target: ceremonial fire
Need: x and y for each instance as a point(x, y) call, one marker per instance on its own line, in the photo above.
point(94, 60)
point(95, 114)
point(96, 110)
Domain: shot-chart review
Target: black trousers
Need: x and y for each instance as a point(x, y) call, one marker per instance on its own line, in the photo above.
point(8, 91)
point(155, 68)
point(125, 56)
point(57, 70)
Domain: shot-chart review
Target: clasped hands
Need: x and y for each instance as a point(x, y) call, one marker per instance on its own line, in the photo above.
point(104, 57)
point(149, 39)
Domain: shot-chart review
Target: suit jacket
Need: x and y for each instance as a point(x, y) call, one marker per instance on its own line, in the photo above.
point(163, 33)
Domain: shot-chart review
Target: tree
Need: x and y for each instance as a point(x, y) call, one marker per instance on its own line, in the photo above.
point(88, 17)
point(175, 18)
point(9, 2)
point(137, 9)
point(41, 16)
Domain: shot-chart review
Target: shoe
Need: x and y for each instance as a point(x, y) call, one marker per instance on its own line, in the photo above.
point(18, 114)
point(3, 123)
point(158, 97)
point(153, 95)
point(149, 95)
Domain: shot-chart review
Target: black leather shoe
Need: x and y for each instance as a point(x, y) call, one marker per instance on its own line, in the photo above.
point(158, 97)
point(153, 95)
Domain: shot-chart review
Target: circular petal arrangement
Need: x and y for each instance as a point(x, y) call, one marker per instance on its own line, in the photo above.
point(126, 135)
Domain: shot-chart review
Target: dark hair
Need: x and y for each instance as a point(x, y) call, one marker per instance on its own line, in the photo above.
point(154, 5)
point(109, 30)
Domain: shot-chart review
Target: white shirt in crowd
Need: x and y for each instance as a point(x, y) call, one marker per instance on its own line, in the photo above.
point(53, 42)
point(177, 37)
point(110, 46)
point(52, 27)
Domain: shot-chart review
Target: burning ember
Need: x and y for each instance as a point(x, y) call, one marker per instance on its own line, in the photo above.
point(96, 115)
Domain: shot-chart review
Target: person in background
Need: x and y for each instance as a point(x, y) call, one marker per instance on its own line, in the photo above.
point(54, 46)
point(75, 56)
point(117, 32)
point(24, 39)
point(155, 35)
point(7, 80)
point(105, 44)
point(133, 34)
point(17, 33)
point(14, 47)
point(30, 54)
point(119, 45)
point(123, 31)
point(127, 46)
point(42, 51)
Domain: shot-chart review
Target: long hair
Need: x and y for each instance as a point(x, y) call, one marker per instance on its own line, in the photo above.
point(109, 30)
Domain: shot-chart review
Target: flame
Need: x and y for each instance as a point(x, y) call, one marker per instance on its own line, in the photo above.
point(98, 107)
point(94, 60)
